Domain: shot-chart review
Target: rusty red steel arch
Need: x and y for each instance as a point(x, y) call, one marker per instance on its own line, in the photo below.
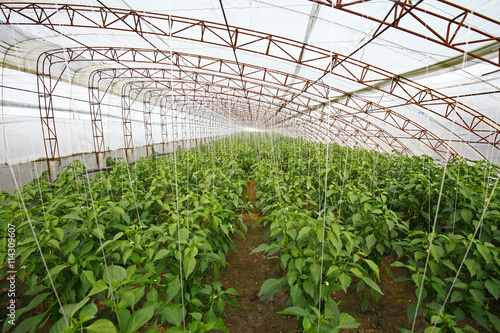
point(313, 135)
point(383, 136)
point(162, 100)
point(120, 73)
point(482, 127)
point(137, 87)
point(440, 30)
point(358, 104)
point(395, 144)
point(147, 72)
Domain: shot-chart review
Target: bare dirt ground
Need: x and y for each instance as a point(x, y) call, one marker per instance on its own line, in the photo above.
point(389, 313)
point(246, 273)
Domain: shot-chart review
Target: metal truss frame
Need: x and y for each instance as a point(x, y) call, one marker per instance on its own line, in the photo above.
point(262, 84)
point(58, 16)
point(361, 127)
point(440, 30)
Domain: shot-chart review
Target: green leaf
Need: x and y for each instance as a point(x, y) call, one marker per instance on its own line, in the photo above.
point(56, 270)
point(299, 264)
point(72, 217)
point(356, 218)
point(466, 215)
point(332, 271)
point(123, 317)
point(271, 287)
point(357, 273)
point(70, 309)
point(494, 321)
point(140, 318)
point(174, 287)
point(118, 236)
point(173, 314)
point(347, 321)
point(377, 211)
point(60, 326)
point(88, 312)
point(37, 300)
point(306, 323)
point(493, 286)
point(437, 252)
point(473, 266)
point(261, 247)
point(191, 262)
point(316, 272)
point(345, 281)
point(89, 276)
point(59, 233)
point(456, 296)
point(478, 295)
point(485, 252)
point(128, 298)
point(156, 229)
point(309, 287)
point(101, 326)
point(232, 291)
point(303, 232)
point(54, 243)
point(26, 254)
point(284, 259)
point(295, 311)
point(98, 287)
point(295, 293)
point(372, 284)
point(161, 254)
point(30, 324)
point(221, 304)
point(116, 273)
point(411, 311)
point(373, 266)
point(401, 278)
point(398, 264)
point(370, 241)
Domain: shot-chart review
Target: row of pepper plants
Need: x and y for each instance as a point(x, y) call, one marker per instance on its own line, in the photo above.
point(146, 243)
point(332, 222)
point(141, 244)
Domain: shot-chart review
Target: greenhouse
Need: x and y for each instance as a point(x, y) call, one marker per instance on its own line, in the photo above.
point(250, 166)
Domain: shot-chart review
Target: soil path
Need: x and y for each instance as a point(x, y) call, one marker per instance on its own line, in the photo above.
point(246, 273)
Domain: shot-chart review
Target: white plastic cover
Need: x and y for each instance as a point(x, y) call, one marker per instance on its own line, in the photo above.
point(284, 78)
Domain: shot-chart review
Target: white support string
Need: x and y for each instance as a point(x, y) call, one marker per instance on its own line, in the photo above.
point(23, 204)
point(21, 199)
point(175, 139)
point(430, 246)
point(479, 226)
point(323, 229)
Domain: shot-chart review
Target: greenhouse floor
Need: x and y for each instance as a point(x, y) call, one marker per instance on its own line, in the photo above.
point(253, 239)
point(246, 273)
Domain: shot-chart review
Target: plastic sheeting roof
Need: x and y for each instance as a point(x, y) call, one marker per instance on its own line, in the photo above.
point(419, 77)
